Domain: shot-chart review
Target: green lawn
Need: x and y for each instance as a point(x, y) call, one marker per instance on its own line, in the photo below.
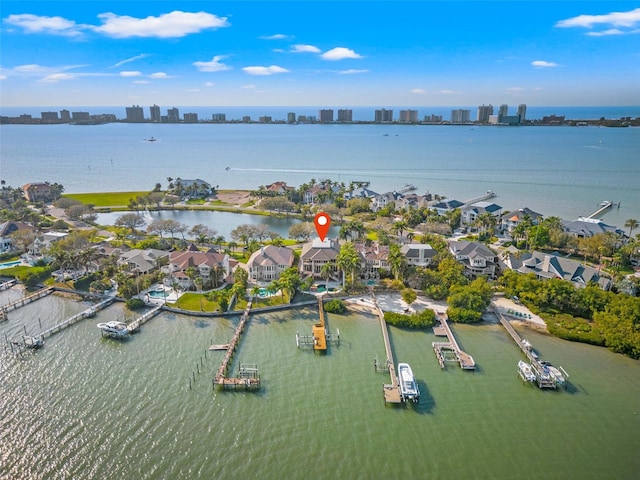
point(196, 302)
point(105, 199)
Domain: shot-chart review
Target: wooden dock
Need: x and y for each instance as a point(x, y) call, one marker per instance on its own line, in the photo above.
point(320, 331)
point(90, 312)
point(603, 208)
point(543, 378)
point(26, 300)
point(248, 375)
point(391, 391)
point(134, 326)
point(446, 351)
point(7, 285)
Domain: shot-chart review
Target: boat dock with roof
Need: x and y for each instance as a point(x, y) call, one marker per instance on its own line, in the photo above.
point(450, 351)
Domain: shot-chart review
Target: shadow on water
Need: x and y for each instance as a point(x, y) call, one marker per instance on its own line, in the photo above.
point(427, 402)
point(201, 324)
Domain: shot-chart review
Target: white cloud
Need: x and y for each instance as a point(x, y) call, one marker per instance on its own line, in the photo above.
point(616, 19)
point(132, 59)
point(130, 73)
point(352, 71)
point(47, 25)
point(3, 77)
point(159, 75)
point(261, 71)
point(448, 92)
point(32, 68)
point(339, 53)
point(514, 89)
point(169, 25)
point(141, 82)
point(305, 49)
point(418, 91)
point(277, 36)
point(618, 23)
point(249, 87)
point(208, 84)
point(56, 77)
point(213, 66)
point(543, 64)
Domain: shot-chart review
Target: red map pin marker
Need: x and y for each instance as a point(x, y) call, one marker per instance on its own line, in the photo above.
point(322, 221)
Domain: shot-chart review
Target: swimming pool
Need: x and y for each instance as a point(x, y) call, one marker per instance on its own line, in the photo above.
point(156, 294)
point(10, 264)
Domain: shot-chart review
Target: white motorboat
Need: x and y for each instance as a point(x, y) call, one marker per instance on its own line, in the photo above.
point(558, 374)
point(114, 329)
point(526, 371)
point(408, 386)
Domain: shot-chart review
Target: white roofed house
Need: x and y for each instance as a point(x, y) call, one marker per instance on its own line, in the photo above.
point(588, 227)
point(418, 254)
point(266, 265)
point(315, 255)
point(477, 258)
point(511, 220)
point(9, 228)
point(380, 201)
point(37, 250)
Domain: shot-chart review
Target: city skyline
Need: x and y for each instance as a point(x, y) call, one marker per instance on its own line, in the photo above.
point(312, 53)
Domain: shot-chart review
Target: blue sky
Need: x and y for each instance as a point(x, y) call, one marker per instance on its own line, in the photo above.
point(329, 53)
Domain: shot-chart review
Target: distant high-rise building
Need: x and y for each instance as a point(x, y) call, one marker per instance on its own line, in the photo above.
point(174, 115)
point(384, 116)
point(291, 117)
point(433, 118)
point(522, 112)
point(265, 119)
point(135, 114)
point(246, 119)
point(503, 112)
point(302, 119)
point(326, 116)
point(155, 113)
point(219, 117)
point(408, 116)
point(49, 116)
point(460, 116)
point(484, 112)
point(80, 116)
point(345, 115)
point(65, 115)
point(190, 118)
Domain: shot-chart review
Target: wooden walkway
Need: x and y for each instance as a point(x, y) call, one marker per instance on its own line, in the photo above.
point(136, 323)
point(90, 312)
point(465, 360)
point(606, 206)
point(7, 285)
point(391, 391)
point(26, 300)
point(248, 376)
point(320, 331)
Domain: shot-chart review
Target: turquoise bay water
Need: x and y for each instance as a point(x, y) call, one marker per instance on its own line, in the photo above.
point(87, 407)
point(563, 171)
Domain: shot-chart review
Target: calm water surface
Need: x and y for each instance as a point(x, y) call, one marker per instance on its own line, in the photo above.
point(563, 171)
point(87, 407)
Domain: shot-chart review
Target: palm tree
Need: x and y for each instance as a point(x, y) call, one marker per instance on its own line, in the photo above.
point(632, 224)
point(326, 271)
point(348, 260)
point(397, 260)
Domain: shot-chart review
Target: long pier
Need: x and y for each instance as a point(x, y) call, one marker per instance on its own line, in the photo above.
point(319, 330)
point(248, 375)
point(481, 198)
point(544, 378)
point(7, 285)
point(603, 208)
point(90, 312)
point(26, 300)
point(144, 318)
point(391, 391)
point(465, 360)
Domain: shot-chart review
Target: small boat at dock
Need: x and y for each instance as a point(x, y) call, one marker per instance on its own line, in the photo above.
point(557, 374)
point(114, 329)
point(526, 371)
point(408, 386)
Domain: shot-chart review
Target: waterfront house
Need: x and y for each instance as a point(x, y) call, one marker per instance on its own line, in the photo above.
point(141, 261)
point(359, 193)
point(476, 257)
point(412, 200)
point(266, 265)
point(279, 188)
point(196, 188)
point(7, 229)
point(211, 266)
point(588, 227)
point(316, 254)
point(37, 250)
point(37, 192)
point(446, 206)
point(380, 201)
point(470, 213)
point(511, 220)
point(418, 254)
point(319, 193)
point(546, 266)
point(374, 258)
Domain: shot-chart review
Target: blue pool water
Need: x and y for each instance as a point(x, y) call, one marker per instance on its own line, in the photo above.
point(10, 264)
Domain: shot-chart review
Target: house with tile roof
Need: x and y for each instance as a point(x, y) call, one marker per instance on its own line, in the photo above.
point(380, 201)
point(141, 261)
point(511, 220)
point(374, 258)
point(268, 263)
point(212, 267)
point(316, 254)
point(477, 258)
point(9, 228)
point(552, 265)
